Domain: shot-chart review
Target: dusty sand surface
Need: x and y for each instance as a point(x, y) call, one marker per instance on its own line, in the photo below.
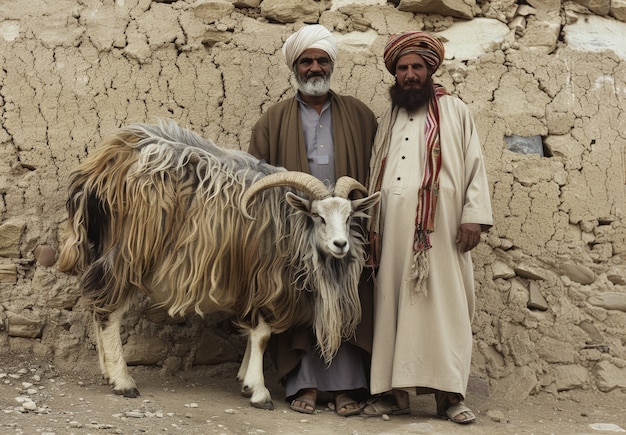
point(206, 400)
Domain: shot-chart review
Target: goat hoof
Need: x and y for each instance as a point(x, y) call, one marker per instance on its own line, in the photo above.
point(246, 392)
point(131, 392)
point(269, 405)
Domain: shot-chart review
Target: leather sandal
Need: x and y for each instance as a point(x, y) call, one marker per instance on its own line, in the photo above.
point(345, 405)
point(450, 406)
point(307, 399)
point(384, 404)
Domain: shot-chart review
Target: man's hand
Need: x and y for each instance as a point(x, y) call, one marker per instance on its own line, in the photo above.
point(468, 236)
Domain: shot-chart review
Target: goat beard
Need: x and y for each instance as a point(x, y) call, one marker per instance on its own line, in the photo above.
point(412, 99)
point(337, 306)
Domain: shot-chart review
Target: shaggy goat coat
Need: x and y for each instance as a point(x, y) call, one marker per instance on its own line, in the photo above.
point(161, 211)
point(155, 209)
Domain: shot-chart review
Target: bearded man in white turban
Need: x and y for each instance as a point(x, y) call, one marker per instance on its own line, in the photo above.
point(327, 135)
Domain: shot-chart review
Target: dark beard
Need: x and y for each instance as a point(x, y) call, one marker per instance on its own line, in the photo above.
point(412, 99)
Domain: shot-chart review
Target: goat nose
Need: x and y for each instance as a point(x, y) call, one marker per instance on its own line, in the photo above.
point(340, 243)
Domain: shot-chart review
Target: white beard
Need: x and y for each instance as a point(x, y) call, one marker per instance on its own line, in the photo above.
point(315, 86)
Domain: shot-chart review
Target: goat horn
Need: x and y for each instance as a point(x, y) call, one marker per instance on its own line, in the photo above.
point(307, 183)
point(345, 186)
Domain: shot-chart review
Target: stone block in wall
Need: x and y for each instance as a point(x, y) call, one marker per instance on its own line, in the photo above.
point(10, 235)
point(517, 386)
point(518, 295)
point(590, 329)
point(542, 32)
point(213, 349)
point(8, 272)
point(569, 377)
point(58, 292)
point(446, 8)
point(599, 7)
point(555, 351)
point(601, 252)
point(546, 5)
point(577, 273)
point(212, 37)
point(247, 3)
point(609, 377)
point(471, 37)
point(525, 144)
point(535, 297)
point(587, 32)
point(501, 270)
point(614, 234)
point(142, 350)
point(521, 347)
point(531, 172)
point(565, 147)
point(530, 272)
point(45, 255)
point(210, 11)
point(21, 326)
point(617, 275)
point(609, 301)
point(288, 11)
point(618, 10)
point(559, 122)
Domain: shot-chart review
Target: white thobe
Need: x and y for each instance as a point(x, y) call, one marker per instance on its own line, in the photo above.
point(426, 341)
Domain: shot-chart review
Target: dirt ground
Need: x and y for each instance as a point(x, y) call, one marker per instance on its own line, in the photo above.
point(35, 398)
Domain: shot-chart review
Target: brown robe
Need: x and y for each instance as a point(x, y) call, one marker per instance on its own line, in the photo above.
point(278, 139)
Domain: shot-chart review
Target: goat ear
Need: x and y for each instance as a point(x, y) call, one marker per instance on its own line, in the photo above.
point(300, 204)
point(363, 204)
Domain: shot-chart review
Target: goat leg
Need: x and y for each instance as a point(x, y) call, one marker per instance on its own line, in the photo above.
point(254, 380)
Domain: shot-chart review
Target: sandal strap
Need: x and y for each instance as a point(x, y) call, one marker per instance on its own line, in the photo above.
point(458, 409)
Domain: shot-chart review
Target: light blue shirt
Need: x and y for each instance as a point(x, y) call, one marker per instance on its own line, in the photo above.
point(318, 137)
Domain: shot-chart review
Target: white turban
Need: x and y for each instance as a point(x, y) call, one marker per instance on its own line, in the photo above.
point(312, 36)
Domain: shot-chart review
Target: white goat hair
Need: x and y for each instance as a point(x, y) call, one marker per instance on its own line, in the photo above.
point(158, 210)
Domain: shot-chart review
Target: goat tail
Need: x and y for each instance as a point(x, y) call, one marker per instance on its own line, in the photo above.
point(95, 193)
point(96, 206)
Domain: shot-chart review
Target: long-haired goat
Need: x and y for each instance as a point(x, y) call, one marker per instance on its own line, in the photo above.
point(160, 211)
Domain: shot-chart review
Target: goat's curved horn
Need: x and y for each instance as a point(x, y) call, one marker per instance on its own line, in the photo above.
point(345, 186)
point(307, 183)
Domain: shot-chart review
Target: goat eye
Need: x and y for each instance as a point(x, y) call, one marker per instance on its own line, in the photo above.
point(317, 216)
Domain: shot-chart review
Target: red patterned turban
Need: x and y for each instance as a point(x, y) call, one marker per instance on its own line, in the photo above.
point(430, 48)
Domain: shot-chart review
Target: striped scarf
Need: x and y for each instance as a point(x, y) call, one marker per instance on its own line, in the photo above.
point(427, 194)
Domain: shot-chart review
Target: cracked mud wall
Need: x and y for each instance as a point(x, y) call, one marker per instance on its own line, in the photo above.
point(551, 279)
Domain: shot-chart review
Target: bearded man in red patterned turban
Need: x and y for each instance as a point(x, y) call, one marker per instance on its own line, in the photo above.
point(426, 157)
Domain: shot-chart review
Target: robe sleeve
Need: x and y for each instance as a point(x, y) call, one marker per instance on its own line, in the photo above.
point(477, 205)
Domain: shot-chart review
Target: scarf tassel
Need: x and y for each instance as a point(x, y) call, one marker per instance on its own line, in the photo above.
point(415, 283)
